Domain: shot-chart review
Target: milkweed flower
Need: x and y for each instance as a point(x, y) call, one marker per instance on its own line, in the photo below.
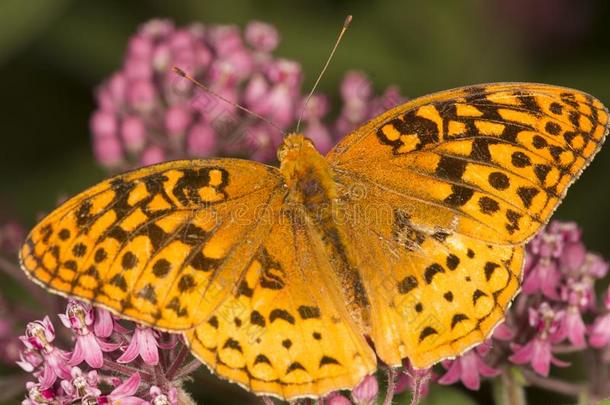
point(537, 351)
point(124, 393)
point(147, 114)
point(81, 385)
point(144, 343)
point(366, 392)
point(469, 368)
point(82, 374)
point(79, 317)
point(38, 336)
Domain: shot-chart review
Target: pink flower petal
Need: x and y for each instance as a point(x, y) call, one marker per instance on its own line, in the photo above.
point(103, 323)
point(148, 347)
point(541, 357)
point(92, 350)
point(452, 375)
point(128, 387)
point(131, 353)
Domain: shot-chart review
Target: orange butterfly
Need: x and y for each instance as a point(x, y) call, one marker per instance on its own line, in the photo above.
point(409, 232)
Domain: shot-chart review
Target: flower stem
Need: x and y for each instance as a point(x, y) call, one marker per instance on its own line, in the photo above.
point(125, 370)
point(508, 390)
point(554, 384)
point(389, 393)
point(188, 369)
point(178, 360)
point(416, 395)
point(566, 349)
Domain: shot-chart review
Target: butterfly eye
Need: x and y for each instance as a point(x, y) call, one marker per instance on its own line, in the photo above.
point(309, 142)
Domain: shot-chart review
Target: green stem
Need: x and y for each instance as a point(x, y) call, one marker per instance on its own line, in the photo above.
point(389, 394)
point(554, 384)
point(508, 390)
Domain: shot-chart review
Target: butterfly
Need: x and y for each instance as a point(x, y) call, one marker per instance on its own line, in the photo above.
point(409, 233)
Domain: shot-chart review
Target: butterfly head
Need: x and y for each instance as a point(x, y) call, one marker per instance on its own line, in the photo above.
point(301, 163)
point(293, 146)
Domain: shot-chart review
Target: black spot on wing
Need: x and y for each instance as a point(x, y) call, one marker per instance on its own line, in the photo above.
point(307, 312)
point(459, 196)
point(325, 360)
point(281, 314)
point(457, 318)
point(489, 269)
point(295, 366)
point(431, 271)
point(261, 358)
point(232, 344)
point(427, 331)
point(407, 284)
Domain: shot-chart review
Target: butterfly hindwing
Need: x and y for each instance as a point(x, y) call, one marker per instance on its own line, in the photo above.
point(284, 331)
point(433, 293)
point(155, 244)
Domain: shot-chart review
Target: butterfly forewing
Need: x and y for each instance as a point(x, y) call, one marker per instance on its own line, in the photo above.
point(160, 244)
point(495, 160)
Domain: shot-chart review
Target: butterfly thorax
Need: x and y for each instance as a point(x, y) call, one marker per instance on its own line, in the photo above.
point(309, 180)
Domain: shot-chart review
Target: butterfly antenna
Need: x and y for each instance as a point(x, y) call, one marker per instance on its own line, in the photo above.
point(182, 73)
point(348, 20)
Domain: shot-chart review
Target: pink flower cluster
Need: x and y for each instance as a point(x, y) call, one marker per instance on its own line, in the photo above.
point(147, 114)
point(109, 362)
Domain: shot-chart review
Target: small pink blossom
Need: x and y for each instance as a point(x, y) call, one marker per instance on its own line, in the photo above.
point(262, 36)
point(104, 323)
point(336, 399)
point(37, 395)
point(38, 336)
point(29, 360)
point(537, 351)
point(124, 393)
point(163, 398)
point(80, 318)
point(81, 385)
point(108, 151)
point(144, 343)
point(151, 155)
point(366, 392)
point(469, 367)
point(544, 277)
point(414, 379)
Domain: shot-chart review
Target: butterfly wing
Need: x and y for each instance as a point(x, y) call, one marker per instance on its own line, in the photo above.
point(284, 331)
point(495, 159)
point(439, 194)
point(433, 292)
point(157, 245)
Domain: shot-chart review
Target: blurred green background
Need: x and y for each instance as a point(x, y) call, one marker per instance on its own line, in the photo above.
point(53, 53)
